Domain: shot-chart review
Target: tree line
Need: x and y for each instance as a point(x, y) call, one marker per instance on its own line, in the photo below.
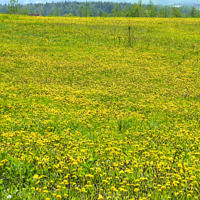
point(102, 9)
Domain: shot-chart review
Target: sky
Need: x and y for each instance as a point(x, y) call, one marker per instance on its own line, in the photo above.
point(156, 2)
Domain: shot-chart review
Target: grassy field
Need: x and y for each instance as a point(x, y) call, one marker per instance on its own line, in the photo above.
point(89, 110)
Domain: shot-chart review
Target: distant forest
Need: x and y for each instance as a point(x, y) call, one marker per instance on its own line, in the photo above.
point(103, 9)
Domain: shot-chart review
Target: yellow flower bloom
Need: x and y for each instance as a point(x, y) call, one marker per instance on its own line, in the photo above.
point(36, 176)
point(100, 197)
point(136, 189)
point(59, 197)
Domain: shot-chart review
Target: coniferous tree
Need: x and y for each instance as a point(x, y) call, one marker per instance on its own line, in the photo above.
point(81, 12)
point(85, 11)
point(134, 10)
point(151, 10)
point(116, 12)
point(140, 9)
point(176, 13)
point(41, 12)
point(193, 12)
point(197, 13)
point(165, 12)
point(57, 12)
point(51, 13)
point(25, 10)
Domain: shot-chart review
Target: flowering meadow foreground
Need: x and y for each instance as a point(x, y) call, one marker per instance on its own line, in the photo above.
point(89, 110)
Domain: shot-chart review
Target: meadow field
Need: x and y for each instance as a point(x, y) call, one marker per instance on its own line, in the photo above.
point(99, 108)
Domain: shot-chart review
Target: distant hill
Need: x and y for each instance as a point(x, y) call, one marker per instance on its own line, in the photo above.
point(156, 2)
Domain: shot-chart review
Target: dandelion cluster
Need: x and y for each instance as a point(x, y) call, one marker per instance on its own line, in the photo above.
point(89, 112)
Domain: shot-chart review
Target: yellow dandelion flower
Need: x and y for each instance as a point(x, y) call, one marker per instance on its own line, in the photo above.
point(59, 197)
point(136, 189)
point(100, 197)
point(36, 176)
point(37, 182)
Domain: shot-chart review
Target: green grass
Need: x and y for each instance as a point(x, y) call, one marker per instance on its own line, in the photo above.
point(83, 116)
